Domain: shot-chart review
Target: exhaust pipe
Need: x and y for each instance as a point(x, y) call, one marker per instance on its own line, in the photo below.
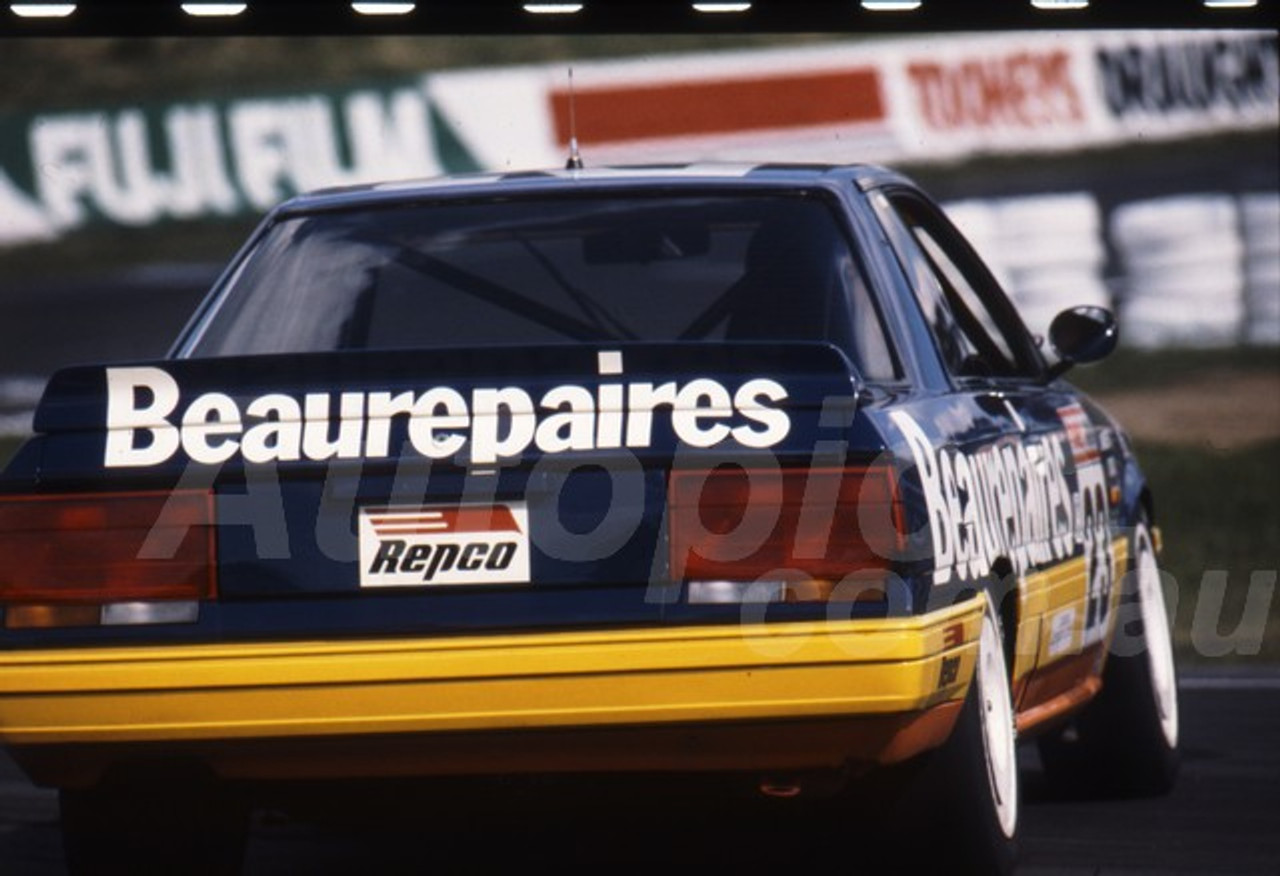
point(782, 789)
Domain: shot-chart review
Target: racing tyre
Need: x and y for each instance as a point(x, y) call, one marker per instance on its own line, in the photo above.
point(193, 827)
point(969, 787)
point(1125, 743)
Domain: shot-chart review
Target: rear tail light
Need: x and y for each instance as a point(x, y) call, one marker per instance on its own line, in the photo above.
point(62, 555)
point(792, 534)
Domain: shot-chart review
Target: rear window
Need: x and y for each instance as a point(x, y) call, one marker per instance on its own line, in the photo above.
point(550, 271)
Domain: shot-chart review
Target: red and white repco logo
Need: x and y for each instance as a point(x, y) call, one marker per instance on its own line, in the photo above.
point(468, 544)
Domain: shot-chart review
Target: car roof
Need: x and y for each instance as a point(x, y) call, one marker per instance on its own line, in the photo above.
point(602, 178)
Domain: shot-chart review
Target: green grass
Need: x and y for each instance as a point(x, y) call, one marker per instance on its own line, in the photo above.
point(8, 447)
point(1152, 369)
point(1219, 512)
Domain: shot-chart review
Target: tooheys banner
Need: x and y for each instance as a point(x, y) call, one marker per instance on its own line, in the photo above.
point(918, 99)
point(1047, 92)
point(923, 99)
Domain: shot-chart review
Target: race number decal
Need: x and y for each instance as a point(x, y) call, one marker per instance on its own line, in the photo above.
point(1092, 521)
point(1099, 568)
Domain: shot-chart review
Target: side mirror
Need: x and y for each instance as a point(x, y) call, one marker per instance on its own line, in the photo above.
point(1082, 335)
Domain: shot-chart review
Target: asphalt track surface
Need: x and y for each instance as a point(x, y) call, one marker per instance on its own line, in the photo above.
point(1223, 818)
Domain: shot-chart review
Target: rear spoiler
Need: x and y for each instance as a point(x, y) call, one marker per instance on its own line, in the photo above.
point(473, 407)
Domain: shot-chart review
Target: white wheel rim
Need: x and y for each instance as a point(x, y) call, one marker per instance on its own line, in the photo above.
point(996, 716)
point(1155, 626)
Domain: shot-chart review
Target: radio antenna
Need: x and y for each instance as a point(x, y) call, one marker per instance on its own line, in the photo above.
point(575, 157)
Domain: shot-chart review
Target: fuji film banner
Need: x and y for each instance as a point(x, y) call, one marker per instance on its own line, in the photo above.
point(920, 99)
point(142, 165)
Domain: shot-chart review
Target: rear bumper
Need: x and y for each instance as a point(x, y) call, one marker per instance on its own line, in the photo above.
point(770, 748)
point(634, 687)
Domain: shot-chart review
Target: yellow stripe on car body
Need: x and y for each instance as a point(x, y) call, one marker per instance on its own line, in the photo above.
point(562, 679)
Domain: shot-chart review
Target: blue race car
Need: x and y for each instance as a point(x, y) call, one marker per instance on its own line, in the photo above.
point(709, 470)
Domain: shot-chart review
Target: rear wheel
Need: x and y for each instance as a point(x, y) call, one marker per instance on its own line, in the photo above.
point(968, 789)
point(1125, 743)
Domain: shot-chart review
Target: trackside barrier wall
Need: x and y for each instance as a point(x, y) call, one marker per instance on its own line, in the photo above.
point(1199, 269)
point(1184, 270)
point(1260, 220)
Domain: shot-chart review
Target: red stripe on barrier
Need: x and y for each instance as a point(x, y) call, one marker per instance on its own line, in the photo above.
point(648, 112)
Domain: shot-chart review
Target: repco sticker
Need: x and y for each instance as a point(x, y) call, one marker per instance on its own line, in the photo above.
point(413, 546)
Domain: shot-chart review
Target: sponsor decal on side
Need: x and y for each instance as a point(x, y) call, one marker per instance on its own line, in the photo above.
point(1009, 499)
point(413, 546)
point(1062, 632)
point(949, 674)
point(146, 427)
point(1035, 502)
point(1076, 423)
